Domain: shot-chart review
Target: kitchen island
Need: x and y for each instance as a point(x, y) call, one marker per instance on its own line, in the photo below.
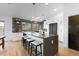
point(50, 42)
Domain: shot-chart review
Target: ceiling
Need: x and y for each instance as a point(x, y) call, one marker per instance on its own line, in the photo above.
point(39, 11)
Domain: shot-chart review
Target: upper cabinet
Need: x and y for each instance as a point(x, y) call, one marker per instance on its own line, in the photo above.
point(36, 27)
point(19, 25)
point(26, 26)
point(16, 25)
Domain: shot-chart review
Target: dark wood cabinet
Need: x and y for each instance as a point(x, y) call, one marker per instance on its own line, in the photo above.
point(19, 25)
point(73, 41)
point(50, 46)
point(16, 25)
point(53, 29)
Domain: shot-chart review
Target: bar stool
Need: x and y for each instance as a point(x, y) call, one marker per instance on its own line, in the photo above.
point(29, 40)
point(34, 48)
point(24, 39)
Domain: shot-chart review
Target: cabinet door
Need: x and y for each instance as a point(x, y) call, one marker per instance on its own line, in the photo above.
point(16, 25)
point(74, 32)
point(53, 28)
point(50, 46)
point(26, 26)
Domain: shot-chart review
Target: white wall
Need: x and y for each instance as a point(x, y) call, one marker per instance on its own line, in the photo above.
point(69, 10)
point(58, 18)
point(10, 36)
point(7, 11)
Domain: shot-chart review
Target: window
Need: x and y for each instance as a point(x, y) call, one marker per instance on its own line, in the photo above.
point(1, 28)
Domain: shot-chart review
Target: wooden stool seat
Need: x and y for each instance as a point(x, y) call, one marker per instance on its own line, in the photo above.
point(34, 48)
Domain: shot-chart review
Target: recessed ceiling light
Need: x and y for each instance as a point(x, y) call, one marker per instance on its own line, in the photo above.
point(55, 9)
point(32, 17)
point(46, 3)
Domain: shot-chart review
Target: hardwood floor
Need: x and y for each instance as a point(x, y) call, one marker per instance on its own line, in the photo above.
point(66, 51)
point(16, 49)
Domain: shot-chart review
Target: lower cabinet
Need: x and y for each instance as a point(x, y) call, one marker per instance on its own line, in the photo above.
point(50, 46)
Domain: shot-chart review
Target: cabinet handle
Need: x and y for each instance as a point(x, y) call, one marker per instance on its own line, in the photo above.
point(52, 42)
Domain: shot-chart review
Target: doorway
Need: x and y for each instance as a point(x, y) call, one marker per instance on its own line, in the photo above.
point(73, 34)
point(53, 29)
